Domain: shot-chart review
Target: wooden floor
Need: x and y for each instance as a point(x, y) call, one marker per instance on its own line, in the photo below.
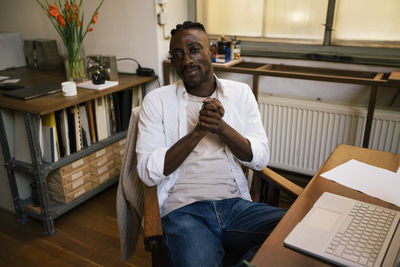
point(86, 236)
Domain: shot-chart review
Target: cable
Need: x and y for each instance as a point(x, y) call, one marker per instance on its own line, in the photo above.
point(143, 71)
point(140, 70)
point(159, 81)
point(128, 58)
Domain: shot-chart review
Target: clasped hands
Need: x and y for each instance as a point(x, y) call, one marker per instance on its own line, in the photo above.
point(210, 117)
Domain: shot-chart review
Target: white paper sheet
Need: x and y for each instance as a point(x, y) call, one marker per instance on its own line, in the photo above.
point(371, 180)
point(91, 85)
point(3, 77)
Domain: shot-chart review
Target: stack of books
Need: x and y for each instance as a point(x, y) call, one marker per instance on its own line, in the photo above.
point(72, 129)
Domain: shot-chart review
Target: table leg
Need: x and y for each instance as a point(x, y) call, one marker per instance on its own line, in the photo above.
point(370, 116)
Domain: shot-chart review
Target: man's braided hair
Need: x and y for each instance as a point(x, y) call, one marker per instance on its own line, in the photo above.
point(188, 25)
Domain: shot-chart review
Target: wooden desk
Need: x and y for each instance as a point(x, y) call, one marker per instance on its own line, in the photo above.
point(273, 252)
point(46, 104)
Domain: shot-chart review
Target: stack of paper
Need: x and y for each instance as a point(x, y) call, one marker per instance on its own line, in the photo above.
point(371, 180)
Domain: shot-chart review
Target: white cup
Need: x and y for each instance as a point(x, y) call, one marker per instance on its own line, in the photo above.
point(68, 88)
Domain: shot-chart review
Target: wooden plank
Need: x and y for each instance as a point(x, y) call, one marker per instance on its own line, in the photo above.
point(395, 75)
point(265, 67)
point(46, 104)
point(306, 73)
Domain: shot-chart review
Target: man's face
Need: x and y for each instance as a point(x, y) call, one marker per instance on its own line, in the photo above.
point(191, 56)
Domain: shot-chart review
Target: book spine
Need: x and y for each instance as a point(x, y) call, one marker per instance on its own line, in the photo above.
point(91, 122)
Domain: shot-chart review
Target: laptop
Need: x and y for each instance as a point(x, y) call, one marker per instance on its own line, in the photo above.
point(348, 232)
point(34, 91)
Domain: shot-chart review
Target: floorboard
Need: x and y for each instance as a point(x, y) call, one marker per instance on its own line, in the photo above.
point(86, 236)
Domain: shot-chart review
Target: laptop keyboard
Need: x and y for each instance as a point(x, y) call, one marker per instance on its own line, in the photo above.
point(362, 234)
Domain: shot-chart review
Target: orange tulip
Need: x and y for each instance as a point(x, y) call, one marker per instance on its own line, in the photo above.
point(61, 20)
point(94, 20)
point(53, 11)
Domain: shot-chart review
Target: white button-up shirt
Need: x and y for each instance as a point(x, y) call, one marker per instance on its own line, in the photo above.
point(163, 122)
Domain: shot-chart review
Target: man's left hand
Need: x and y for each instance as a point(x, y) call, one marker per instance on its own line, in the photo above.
point(211, 115)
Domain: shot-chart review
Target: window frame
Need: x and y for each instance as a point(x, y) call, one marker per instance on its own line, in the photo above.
point(263, 47)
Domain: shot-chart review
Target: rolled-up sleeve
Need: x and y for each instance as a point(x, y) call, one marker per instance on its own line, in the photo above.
point(255, 133)
point(151, 145)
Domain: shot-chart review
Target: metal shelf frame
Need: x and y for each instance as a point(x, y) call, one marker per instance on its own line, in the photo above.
point(38, 169)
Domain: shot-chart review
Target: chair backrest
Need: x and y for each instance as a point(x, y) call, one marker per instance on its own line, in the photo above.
point(132, 184)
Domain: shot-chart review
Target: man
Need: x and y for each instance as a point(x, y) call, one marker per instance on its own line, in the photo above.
point(193, 136)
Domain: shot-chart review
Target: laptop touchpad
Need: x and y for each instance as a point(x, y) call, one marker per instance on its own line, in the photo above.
point(322, 219)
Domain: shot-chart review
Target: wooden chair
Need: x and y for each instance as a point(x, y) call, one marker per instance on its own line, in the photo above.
point(267, 182)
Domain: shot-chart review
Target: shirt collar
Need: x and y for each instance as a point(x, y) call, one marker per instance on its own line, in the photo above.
point(181, 90)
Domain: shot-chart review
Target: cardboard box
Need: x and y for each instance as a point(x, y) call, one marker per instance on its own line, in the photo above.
point(103, 169)
point(69, 168)
point(120, 143)
point(119, 152)
point(103, 178)
point(103, 160)
point(57, 177)
point(58, 196)
point(59, 188)
point(100, 153)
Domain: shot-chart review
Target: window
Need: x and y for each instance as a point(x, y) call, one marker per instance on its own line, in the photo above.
point(367, 22)
point(227, 16)
point(363, 31)
point(274, 19)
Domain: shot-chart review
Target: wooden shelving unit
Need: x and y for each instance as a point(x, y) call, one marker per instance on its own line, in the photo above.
point(40, 169)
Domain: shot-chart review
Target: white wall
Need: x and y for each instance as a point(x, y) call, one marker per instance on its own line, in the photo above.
point(125, 28)
point(176, 13)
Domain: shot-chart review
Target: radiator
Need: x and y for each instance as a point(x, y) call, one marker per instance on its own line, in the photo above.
point(302, 133)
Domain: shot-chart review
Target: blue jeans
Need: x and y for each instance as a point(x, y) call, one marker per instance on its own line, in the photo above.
point(201, 233)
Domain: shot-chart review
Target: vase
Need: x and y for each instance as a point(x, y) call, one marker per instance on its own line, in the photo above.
point(75, 69)
point(75, 64)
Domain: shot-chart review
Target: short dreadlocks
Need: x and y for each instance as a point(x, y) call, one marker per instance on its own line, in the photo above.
point(188, 25)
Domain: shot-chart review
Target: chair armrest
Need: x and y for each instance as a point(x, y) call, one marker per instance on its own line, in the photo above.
point(281, 182)
point(152, 220)
point(153, 235)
